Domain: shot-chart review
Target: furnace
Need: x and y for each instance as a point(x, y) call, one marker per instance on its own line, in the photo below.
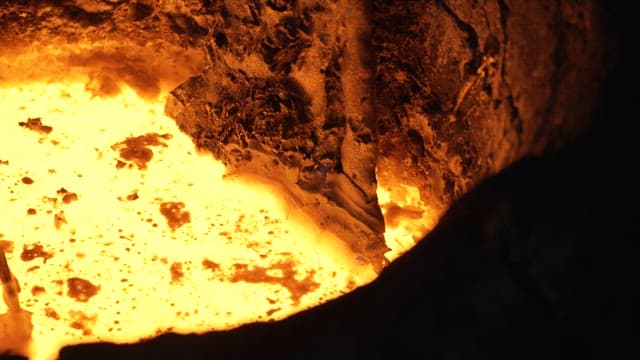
point(187, 166)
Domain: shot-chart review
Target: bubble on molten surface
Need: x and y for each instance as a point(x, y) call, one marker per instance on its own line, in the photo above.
point(124, 230)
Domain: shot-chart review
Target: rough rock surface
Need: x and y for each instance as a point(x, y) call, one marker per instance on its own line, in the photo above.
point(471, 86)
point(289, 97)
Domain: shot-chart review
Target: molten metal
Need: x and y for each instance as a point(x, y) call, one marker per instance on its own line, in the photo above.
point(119, 229)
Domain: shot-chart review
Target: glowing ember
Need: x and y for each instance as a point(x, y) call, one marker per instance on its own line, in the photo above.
point(35, 251)
point(81, 290)
point(36, 125)
point(176, 217)
point(119, 229)
point(136, 149)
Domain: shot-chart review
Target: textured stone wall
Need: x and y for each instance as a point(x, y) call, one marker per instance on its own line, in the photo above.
point(471, 86)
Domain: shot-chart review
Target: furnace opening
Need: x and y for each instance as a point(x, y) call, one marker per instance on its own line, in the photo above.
point(184, 166)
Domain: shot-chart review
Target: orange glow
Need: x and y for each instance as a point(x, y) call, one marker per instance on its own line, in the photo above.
point(118, 229)
point(407, 218)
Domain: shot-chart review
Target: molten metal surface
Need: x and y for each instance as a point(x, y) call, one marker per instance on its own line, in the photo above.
point(118, 229)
